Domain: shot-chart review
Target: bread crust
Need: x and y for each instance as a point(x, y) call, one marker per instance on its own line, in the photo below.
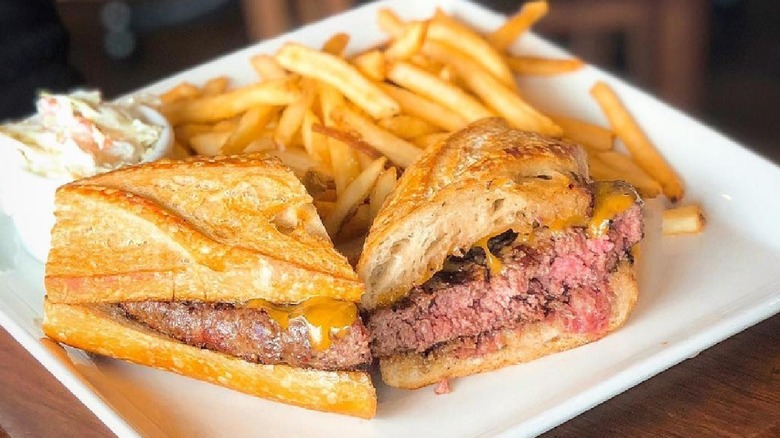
point(531, 341)
point(479, 182)
point(97, 329)
point(222, 229)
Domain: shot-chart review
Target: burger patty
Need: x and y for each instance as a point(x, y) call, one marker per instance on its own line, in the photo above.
point(562, 273)
point(249, 333)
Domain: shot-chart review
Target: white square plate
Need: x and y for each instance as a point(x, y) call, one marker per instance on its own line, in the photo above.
point(695, 291)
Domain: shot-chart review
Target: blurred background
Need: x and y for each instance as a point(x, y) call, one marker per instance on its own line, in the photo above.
point(717, 59)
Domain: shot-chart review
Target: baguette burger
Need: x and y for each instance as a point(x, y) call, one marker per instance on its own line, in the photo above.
point(495, 249)
point(214, 268)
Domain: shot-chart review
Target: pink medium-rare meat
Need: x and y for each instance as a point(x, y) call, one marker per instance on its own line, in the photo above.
point(563, 274)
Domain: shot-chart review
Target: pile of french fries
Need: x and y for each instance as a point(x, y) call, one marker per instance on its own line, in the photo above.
point(348, 124)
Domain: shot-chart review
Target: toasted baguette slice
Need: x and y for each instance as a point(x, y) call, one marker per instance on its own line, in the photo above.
point(411, 370)
point(97, 329)
point(207, 229)
point(481, 181)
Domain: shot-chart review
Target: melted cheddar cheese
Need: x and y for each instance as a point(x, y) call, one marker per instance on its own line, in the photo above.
point(609, 200)
point(493, 262)
point(325, 317)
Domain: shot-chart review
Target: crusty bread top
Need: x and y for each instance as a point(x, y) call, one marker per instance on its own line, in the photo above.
point(221, 228)
point(479, 182)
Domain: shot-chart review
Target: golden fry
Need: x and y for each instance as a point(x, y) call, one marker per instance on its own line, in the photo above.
point(499, 97)
point(339, 74)
point(641, 148)
point(336, 45)
point(409, 43)
point(434, 88)
point(292, 115)
point(297, 160)
point(447, 30)
point(399, 151)
point(371, 64)
point(215, 86)
point(517, 24)
point(234, 102)
point(390, 23)
point(267, 68)
point(349, 139)
point(353, 196)
point(249, 128)
point(430, 140)
point(424, 109)
point(407, 127)
point(184, 90)
point(683, 220)
point(534, 65)
point(603, 170)
point(209, 143)
point(587, 134)
point(385, 184)
point(426, 63)
point(315, 144)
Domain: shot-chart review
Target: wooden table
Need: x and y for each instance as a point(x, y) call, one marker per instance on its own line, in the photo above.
point(732, 389)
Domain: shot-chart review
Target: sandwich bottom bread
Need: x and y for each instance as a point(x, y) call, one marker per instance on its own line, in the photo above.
point(496, 249)
point(214, 268)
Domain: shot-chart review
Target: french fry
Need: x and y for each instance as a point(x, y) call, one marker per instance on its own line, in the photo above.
point(409, 42)
point(499, 97)
point(349, 139)
point(184, 90)
point(249, 128)
point(183, 133)
point(516, 25)
point(683, 220)
point(371, 64)
point(422, 108)
point(427, 64)
point(389, 22)
point(314, 143)
point(215, 85)
point(587, 134)
point(447, 30)
point(209, 143)
point(602, 170)
point(224, 106)
point(430, 140)
point(407, 127)
point(434, 88)
point(319, 184)
point(641, 148)
point(336, 45)
point(292, 115)
point(297, 160)
point(343, 161)
point(399, 151)
point(365, 159)
point(267, 68)
point(339, 74)
point(534, 65)
point(263, 144)
point(385, 184)
point(632, 173)
point(353, 196)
